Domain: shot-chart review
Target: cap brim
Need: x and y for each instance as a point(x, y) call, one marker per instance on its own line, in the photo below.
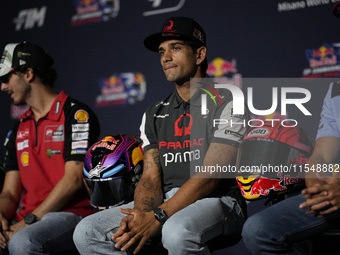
point(4, 69)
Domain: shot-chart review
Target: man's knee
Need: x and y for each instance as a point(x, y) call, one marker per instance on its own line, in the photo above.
point(22, 243)
point(94, 228)
point(83, 231)
point(176, 235)
point(252, 229)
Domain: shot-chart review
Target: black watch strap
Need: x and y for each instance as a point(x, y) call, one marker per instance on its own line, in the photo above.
point(160, 215)
point(30, 218)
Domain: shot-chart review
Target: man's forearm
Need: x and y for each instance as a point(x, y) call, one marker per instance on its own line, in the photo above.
point(64, 192)
point(148, 195)
point(8, 205)
point(60, 196)
point(326, 151)
point(311, 178)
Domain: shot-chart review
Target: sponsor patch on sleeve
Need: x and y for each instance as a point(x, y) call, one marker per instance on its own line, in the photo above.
point(78, 151)
point(81, 116)
point(80, 144)
point(24, 158)
point(22, 145)
point(80, 127)
point(80, 136)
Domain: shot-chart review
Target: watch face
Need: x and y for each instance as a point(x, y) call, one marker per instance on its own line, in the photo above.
point(160, 215)
point(30, 218)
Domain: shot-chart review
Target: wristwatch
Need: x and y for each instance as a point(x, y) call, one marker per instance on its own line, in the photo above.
point(30, 218)
point(160, 215)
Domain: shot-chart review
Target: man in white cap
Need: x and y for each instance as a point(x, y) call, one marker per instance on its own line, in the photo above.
point(42, 199)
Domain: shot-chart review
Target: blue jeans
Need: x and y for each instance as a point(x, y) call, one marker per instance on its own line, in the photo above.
point(185, 232)
point(279, 228)
point(51, 235)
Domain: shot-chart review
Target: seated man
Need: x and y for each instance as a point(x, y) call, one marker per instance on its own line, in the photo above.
point(44, 157)
point(278, 229)
point(187, 211)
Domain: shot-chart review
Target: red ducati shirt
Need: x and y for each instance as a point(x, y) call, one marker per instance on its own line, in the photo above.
point(40, 149)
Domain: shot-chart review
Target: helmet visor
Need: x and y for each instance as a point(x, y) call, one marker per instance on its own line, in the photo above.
point(106, 193)
point(260, 156)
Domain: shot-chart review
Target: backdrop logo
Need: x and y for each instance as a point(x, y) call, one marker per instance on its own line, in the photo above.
point(323, 62)
point(18, 110)
point(163, 6)
point(90, 11)
point(225, 71)
point(297, 5)
point(124, 88)
point(29, 18)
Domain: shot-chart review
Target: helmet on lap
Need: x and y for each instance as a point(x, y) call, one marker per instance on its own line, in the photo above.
point(271, 159)
point(112, 169)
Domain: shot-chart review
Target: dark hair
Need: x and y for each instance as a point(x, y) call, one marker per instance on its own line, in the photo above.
point(194, 46)
point(47, 76)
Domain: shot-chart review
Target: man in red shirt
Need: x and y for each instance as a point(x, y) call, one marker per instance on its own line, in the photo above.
point(44, 158)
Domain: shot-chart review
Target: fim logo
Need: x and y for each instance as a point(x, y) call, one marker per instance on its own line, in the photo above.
point(29, 18)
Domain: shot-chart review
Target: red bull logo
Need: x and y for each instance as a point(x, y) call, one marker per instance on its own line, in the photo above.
point(264, 185)
point(110, 139)
point(108, 145)
point(255, 186)
point(225, 72)
point(113, 84)
point(323, 62)
point(324, 56)
point(85, 6)
point(121, 88)
point(219, 67)
point(323, 52)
